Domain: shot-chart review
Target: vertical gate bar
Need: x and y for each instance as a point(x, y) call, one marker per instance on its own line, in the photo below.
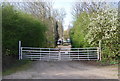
point(49, 54)
point(19, 49)
point(88, 53)
point(78, 55)
point(31, 56)
point(40, 54)
point(69, 53)
point(59, 55)
point(98, 53)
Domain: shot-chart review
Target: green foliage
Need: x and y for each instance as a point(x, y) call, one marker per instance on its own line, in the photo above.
point(90, 27)
point(104, 26)
point(20, 26)
point(78, 32)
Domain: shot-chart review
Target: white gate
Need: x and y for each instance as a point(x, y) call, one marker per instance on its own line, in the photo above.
point(56, 54)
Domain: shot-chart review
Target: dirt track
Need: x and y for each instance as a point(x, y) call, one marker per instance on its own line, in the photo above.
point(65, 70)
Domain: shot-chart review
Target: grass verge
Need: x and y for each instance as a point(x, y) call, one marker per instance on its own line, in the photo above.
point(18, 66)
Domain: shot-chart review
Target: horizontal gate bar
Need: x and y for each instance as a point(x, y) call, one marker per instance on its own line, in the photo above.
point(40, 58)
point(62, 55)
point(58, 48)
point(60, 51)
point(35, 55)
point(58, 57)
point(58, 54)
point(84, 59)
point(40, 53)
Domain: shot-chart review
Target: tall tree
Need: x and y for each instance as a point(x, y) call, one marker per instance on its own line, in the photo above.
point(100, 23)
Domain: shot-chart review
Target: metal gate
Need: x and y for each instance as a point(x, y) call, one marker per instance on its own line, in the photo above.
point(59, 54)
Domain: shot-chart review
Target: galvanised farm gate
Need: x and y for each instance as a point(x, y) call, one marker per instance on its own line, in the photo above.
point(59, 54)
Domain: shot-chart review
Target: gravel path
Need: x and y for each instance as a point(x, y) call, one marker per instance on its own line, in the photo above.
point(65, 70)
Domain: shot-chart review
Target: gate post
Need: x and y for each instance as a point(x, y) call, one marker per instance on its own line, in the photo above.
point(19, 50)
point(21, 53)
point(100, 49)
point(98, 53)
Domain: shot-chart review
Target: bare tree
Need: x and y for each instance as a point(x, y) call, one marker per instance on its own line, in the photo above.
point(89, 7)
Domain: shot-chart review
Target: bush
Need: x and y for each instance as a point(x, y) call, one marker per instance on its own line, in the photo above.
point(78, 32)
point(90, 28)
point(20, 26)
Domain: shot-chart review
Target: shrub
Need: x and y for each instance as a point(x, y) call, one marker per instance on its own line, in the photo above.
point(17, 25)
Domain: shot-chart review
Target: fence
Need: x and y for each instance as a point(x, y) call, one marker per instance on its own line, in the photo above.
point(59, 54)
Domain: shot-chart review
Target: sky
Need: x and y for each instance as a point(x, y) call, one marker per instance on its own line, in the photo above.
point(67, 5)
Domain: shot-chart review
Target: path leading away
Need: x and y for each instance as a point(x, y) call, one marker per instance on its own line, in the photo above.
point(65, 70)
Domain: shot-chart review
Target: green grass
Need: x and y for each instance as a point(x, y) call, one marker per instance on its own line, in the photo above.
point(18, 66)
point(109, 62)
